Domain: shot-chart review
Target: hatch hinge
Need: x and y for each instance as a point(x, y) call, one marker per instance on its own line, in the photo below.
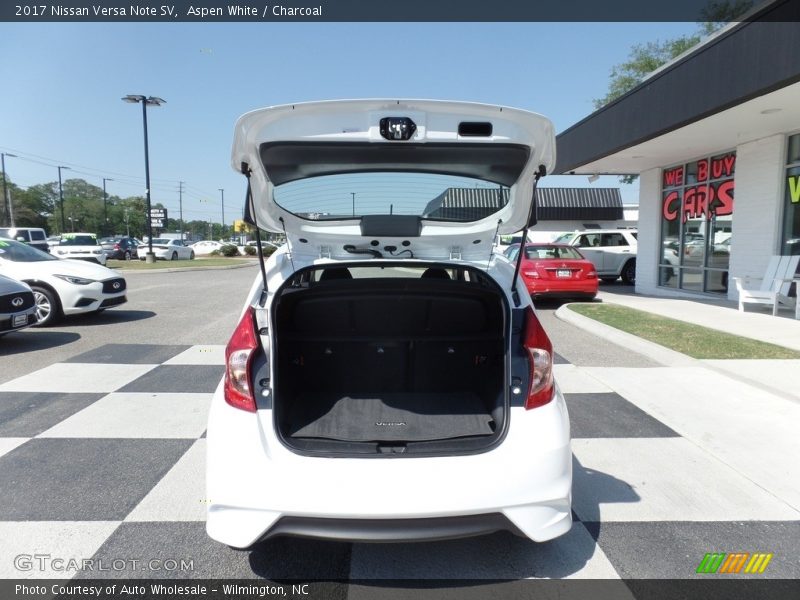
point(455, 253)
point(324, 252)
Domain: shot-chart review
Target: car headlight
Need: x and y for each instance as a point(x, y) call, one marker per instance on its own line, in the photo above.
point(75, 280)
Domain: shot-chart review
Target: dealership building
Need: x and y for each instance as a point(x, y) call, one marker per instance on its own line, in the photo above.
point(714, 136)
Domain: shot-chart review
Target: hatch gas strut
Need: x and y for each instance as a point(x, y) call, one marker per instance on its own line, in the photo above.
point(532, 213)
point(248, 202)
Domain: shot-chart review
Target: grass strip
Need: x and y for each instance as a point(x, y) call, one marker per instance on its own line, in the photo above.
point(693, 340)
point(198, 263)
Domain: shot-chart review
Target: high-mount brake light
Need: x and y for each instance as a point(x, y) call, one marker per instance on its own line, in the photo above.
point(540, 356)
point(238, 360)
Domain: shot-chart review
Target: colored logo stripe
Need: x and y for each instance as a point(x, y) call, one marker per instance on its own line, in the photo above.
point(759, 562)
point(722, 562)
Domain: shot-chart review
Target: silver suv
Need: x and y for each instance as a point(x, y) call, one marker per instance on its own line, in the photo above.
point(612, 251)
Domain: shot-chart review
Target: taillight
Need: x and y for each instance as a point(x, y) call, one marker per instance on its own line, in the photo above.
point(591, 274)
point(238, 359)
point(116, 247)
point(531, 274)
point(540, 356)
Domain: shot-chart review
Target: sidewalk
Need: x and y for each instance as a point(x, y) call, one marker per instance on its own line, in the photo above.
point(779, 377)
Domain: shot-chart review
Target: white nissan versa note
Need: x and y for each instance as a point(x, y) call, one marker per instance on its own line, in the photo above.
point(389, 378)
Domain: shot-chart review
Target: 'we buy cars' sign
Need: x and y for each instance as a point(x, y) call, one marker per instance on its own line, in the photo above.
point(158, 217)
point(709, 190)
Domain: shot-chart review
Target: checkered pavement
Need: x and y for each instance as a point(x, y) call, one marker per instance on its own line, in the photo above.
point(102, 457)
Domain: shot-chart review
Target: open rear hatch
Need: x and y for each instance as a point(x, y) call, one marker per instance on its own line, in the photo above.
point(433, 179)
point(373, 357)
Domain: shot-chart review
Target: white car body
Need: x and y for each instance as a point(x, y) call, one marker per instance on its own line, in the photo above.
point(260, 483)
point(168, 249)
point(89, 252)
point(205, 247)
point(79, 286)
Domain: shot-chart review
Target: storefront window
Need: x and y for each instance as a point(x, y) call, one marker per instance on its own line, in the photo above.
point(696, 218)
point(791, 215)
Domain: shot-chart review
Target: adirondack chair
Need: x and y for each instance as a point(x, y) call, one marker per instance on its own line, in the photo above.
point(774, 287)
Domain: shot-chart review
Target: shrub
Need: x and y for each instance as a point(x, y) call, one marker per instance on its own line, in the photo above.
point(229, 250)
point(250, 250)
point(214, 253)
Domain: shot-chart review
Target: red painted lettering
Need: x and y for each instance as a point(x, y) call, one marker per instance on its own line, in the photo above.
point(669, 209)
point(723, 203)
point(730, 162)
point(702, 170)
point(717, 167)
point(673, 177)
point(702, 203)
point(689, 206)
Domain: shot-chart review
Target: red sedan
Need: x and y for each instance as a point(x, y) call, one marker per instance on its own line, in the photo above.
point(557, 271)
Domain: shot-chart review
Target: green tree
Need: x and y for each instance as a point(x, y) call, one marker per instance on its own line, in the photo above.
point(643, 59)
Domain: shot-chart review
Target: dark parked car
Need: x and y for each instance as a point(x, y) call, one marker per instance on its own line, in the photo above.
point(120, 248)
point(17, 305)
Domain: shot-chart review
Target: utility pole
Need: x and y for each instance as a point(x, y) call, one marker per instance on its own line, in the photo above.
point(105, 205)
point(8, 204)
point(180, 205)
point(222, 192)
point(353, 194)
point(61, 199)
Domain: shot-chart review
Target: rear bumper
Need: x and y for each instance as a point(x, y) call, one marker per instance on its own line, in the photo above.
point(562, 289)
point(522, 485)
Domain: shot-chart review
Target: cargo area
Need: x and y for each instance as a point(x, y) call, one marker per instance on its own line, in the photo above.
point(390, 365)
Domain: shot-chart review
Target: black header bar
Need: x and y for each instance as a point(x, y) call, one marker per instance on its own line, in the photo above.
point(170, 11)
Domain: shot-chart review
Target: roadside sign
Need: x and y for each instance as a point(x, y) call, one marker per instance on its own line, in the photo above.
point(158, 218)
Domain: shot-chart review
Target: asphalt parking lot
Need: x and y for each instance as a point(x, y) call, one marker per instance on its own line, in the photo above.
point(102, 424)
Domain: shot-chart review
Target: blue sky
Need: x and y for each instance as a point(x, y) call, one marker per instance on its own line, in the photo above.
point(62, 85)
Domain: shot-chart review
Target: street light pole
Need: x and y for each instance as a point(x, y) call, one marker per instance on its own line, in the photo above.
point(180, 205)
point(61, 199)
point(153, 101)
point(222, 192)
point(353, 194)
point(105, 205)
point(8, 204)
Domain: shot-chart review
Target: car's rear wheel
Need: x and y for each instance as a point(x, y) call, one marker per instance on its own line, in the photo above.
point(191, 255)
point(127, 254)
point(629, 272)
point(174, 256)
point(48, 308)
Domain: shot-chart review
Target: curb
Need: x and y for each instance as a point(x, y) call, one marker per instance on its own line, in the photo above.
point(657, 352)
point(184, 269)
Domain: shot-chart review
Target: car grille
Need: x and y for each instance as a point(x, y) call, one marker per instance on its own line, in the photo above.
point(7, 302)
point(113, 301)
point(108, 286)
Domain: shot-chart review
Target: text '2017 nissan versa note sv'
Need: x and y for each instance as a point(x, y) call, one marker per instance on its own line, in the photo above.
point(389, 378)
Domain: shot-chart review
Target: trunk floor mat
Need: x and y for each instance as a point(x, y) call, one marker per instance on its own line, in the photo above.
point(390, 417)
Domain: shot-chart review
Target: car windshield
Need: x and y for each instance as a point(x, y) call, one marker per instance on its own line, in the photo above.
point(564, 238)
point(17, 252)
point(429, 195)
point(79, 240)
point(551, 253)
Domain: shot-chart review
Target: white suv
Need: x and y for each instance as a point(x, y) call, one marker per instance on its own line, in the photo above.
point(612, 251)
point(388, 380)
